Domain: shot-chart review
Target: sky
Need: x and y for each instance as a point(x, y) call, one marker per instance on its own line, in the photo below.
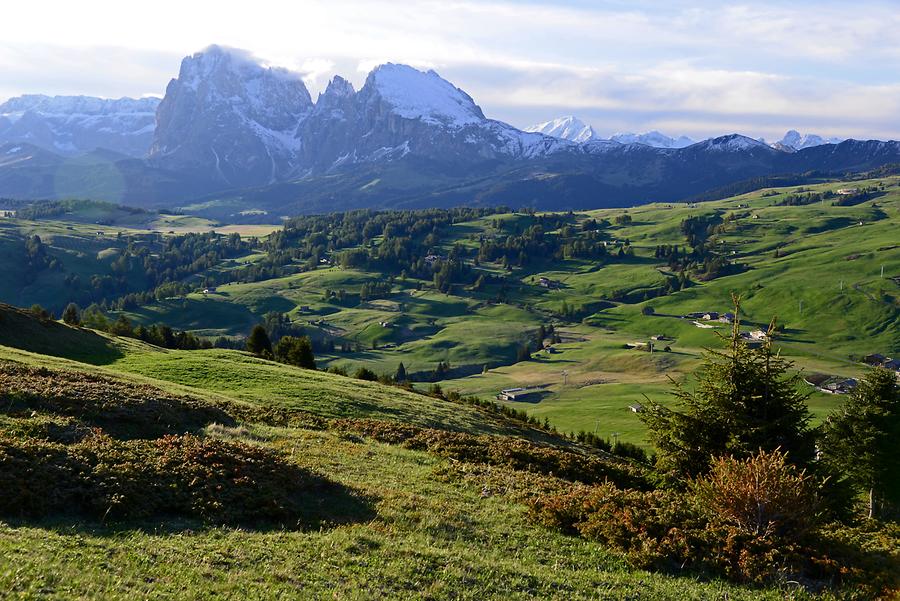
point(685, 68)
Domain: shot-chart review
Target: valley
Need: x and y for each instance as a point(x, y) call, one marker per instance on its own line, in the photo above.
point(816, 267)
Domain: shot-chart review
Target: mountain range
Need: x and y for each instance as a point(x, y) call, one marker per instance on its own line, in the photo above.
point(574, 130)
point(233, 136)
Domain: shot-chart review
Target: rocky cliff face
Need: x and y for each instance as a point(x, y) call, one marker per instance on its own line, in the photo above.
point(230, 117)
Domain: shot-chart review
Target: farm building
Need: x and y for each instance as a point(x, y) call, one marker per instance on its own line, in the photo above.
point(515, 394)
point(548, 283)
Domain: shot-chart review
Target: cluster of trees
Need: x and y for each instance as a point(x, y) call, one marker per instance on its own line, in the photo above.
point(524, 245)
point(147, 267)
point(798, 199)
point(158, 334)
point(701, 260)
point(49, 209)
point(807, 197)
point(37, 259)
point(747, 400)
point(291, 350)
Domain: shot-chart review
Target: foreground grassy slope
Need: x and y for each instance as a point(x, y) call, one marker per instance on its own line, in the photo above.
point(433, 537)
point(430, 528)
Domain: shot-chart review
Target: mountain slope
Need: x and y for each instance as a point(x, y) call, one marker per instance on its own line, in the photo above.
point(71, 125)
point(567, 128)
point(230, 119)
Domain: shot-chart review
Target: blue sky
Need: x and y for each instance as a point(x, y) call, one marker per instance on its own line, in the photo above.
point(695, 68)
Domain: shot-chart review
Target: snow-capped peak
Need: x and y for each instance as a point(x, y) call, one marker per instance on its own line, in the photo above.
point(565, 128)
point(652, 138)
point(414, 94)
point(204, 64)
point(338, 86)
point(80, 105)
point(798, 141)
point(732, 143)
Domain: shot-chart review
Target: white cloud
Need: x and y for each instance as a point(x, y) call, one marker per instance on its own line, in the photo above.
point(699, 65)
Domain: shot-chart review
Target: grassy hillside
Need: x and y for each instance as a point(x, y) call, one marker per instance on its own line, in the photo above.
point(816, 267)
point(395, 521)
point(20, 329)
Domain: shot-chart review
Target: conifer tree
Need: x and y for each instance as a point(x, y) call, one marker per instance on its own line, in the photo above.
point(745, 400)
point(400, 376)
point(258, 343)
point(861, 440)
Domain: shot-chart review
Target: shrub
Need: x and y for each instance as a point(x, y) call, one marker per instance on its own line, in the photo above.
point(364, 373)
point(72, 315)
point(514, 453)
point(98, 477)
point(124, 408)
point(762, 496)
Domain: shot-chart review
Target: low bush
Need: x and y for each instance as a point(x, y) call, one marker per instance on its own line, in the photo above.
point(511, 452)
point(752, 521)
point(100, 477)
point(761, 496)
point(125, 409)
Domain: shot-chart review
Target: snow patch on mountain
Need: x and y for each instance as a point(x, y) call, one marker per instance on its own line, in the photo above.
point(732, 143)
point(415, 94)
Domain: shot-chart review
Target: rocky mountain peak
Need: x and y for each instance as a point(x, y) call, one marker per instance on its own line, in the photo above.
point(230, 115)
point(566, 128)
point(422, 95)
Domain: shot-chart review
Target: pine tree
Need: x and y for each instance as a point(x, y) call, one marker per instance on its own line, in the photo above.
point(258, 343)
point(861, 440)
point(72, 315)
point(296, 351)
point(400, 376)
point(745, 400)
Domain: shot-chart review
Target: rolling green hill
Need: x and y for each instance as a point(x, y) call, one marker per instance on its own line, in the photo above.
point(829, 273)
point(437, 519)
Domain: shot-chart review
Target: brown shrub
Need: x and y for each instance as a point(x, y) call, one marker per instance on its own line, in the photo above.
point(99, 476)
point(762, 496)
point(125, 409)
point(514, 453)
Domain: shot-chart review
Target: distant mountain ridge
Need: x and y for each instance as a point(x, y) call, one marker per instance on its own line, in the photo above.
point(69, 125)
point(793, 139)
point(233, 134)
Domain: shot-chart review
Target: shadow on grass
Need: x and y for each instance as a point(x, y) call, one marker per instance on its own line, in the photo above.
point(22, 330)
point(333, 505)
point(319, 504)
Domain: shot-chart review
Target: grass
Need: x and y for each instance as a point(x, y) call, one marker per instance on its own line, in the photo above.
point(430, 539)
point(824, 285)
point(426, 530)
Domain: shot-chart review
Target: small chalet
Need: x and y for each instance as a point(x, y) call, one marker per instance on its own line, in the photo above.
point(210, 290)
point(548, 283)
point(874, 359)
point(515, 394)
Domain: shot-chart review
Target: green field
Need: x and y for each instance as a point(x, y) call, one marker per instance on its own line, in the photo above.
point(816, 268)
